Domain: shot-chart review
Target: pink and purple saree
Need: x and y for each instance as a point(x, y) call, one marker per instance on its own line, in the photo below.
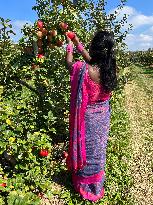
point(89, 130)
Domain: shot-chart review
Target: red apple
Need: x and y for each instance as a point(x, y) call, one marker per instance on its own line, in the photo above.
point(39, 34)
point(70, 34)
point(43, 153)
point(63, 25)
point(53, 33)
point(40, 55)
point(44, 31)
point(40, 24)
point(3, 184)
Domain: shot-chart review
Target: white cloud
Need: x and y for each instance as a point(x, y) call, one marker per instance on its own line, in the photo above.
point(146, 45)
point(139, 41)
point(125, 10)
point(142, 34)
point(135, 18)
point(145, 38)
point(139, 20)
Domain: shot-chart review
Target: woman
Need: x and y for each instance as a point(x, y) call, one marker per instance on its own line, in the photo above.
point(91, 84)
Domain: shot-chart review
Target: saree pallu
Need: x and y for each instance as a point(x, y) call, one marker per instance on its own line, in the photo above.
point(89, 130)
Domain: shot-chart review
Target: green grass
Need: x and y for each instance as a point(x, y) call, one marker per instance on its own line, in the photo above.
point(143, 76)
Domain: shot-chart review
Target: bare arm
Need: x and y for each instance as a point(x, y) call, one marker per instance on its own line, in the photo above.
point(69, 55)
point(69, 60)
point(84, 52)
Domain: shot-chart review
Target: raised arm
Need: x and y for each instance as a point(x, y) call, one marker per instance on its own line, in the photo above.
point(69, 54)
point(82, 50)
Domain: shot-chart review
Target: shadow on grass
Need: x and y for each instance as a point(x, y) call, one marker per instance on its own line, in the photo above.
point(64, 179)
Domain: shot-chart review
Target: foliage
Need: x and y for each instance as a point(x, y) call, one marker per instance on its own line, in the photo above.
point(21, 198)
point(142, 57)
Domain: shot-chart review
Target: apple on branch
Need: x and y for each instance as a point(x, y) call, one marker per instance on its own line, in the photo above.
point(40, 24)
point(43, 153)
point(70, 34)
point(40, 56)
point(53, 33)
point(39, 34)
point(44, 31)
point(63, 26)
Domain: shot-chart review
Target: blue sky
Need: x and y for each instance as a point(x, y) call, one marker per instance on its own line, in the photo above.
point(140, 15)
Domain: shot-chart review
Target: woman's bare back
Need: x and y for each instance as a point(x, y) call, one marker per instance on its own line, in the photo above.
point(94, 73)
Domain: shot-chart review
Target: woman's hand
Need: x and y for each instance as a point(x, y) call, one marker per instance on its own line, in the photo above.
point(84, 52)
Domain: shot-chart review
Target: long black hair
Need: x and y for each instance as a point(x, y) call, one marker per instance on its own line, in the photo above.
point(102, 54)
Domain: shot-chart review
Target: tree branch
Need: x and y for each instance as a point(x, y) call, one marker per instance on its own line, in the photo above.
point(27, 85)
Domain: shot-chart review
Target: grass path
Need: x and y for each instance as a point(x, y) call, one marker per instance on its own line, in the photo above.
point(139, 104)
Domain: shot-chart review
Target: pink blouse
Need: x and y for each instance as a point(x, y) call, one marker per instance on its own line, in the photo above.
point(95, 91)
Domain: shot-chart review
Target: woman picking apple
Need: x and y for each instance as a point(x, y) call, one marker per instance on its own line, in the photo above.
point(92, 82)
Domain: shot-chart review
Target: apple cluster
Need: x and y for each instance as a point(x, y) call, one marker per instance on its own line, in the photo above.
point(52, 36)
